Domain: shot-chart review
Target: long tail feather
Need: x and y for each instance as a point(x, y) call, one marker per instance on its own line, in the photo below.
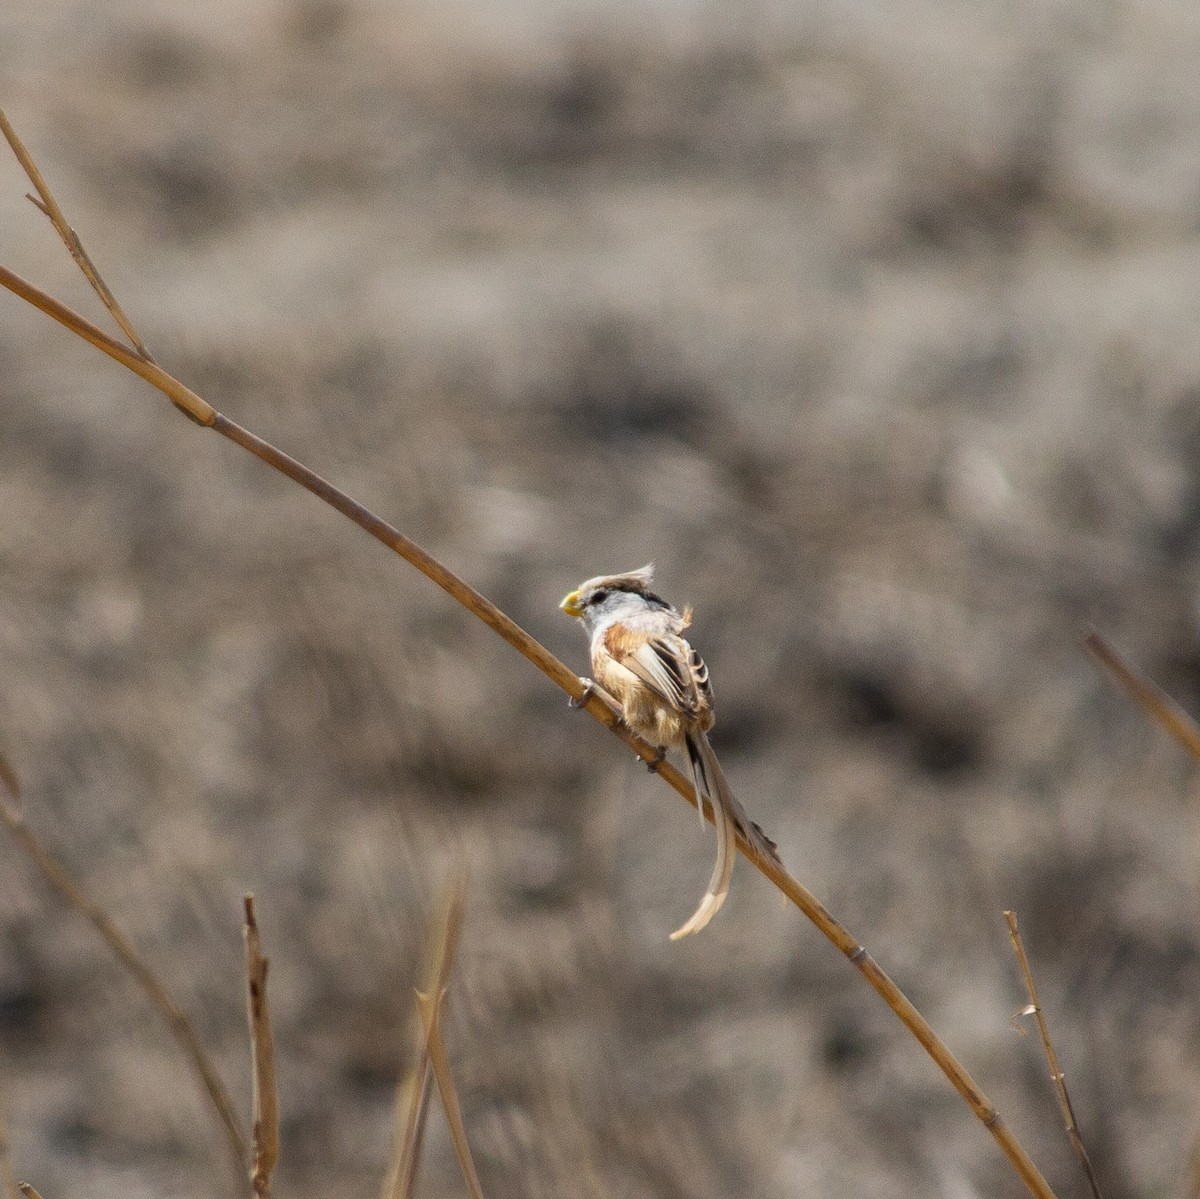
point(710, 782)
point(714, 781)
point(762, 845)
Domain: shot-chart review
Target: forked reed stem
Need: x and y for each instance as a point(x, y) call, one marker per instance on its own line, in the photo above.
point(412, 1102)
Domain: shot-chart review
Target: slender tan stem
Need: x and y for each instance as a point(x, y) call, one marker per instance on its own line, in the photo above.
point(262, 1048)
point(1056, 1075)
point(413, 1102)
point(186, 400)
point(47, 203)
point(158, 994)
point(1146, 692)
point(428, 1006)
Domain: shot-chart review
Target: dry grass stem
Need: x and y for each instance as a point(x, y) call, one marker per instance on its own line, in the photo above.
point(429, 1008)
point(182, 397)
point(28, 1191)
point(1146, 692)
point(1056, 1075)
point(598, 705)
point(262, 1047)
point(412, 1104)
point(150, 983)
point(46, 202)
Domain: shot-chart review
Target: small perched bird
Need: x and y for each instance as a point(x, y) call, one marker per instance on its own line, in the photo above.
point(640, 657)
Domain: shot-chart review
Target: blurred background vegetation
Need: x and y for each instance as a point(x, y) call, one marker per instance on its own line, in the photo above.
point(874, 326)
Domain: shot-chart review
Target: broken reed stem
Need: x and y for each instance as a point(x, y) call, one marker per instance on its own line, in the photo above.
point(124, 952)
point(28, 1191)
point(1145, 692)
point(262, 1048)
point(412, 1101)
point(1056, 1075)
point(599, 706)
point(428, 1007)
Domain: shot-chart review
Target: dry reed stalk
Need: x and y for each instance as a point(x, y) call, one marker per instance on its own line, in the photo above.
point(262, 1048)
point(1146, 692)
point(1167, 713)
point(47, 203)
point(145, 977)
point(592, 700)
point(1056, 1075)
point(429, 1007)
point(412, 1101)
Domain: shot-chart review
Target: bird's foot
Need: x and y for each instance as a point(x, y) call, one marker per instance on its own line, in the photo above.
point(589, 689)
point(660, 756)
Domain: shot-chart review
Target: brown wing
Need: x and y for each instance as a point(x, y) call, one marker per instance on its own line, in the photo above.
point(667, 665)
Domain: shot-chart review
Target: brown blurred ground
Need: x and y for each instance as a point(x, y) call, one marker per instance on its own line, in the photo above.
point(877, 331)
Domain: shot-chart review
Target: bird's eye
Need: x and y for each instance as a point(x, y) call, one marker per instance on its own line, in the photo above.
point(601, 595)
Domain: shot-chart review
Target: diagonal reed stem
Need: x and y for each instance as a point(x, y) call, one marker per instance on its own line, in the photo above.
point(597, 704)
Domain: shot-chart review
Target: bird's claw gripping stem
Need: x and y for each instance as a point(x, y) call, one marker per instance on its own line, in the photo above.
point(660, 756)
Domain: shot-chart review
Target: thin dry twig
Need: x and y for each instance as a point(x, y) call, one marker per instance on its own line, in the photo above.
point(412, 1104)
point(428, 1007)
point(48, 205)
point(262, 1048)
point(593, 701)
point(186, 400)
point(1171, 716)
point(1145, 692)
point(412, 1108)
point(28, 1191)
point(150, 983)
point(1056, 1075)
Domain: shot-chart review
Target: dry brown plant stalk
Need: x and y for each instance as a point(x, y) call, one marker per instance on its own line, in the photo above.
point(124, 952)
point(1146, 692)
point(47, 203)
point(598, 705)
point(1056, 1075)
point(262, 1049)
point(412, 1105)
point(429, 1008)
point(28, 1191)
point(1167, 713)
